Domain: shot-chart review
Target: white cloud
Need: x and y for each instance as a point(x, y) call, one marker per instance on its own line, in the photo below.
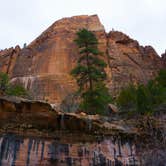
point(144, 20)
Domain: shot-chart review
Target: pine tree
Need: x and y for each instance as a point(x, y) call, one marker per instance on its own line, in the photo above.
point(90, 74)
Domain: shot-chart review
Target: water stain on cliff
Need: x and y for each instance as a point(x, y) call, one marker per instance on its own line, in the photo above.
point(17, 150)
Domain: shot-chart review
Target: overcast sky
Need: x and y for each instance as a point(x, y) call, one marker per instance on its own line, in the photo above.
point(21, 21)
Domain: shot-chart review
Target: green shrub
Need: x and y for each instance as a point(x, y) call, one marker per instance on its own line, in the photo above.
point(4, 82)
point(17, 90)
point(161, 78)
point(127, 98)
point(96, 101)
point(143, 102)
point(144, 98)
point(8, 89)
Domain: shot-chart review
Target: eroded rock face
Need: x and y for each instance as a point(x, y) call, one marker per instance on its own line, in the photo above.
point(17, 150)
point(8, 59)
point(44, 66)
point(17, 114)
point(124, 146)
point(129, 62)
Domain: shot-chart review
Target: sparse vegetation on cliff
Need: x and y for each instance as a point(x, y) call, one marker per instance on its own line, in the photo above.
point(144, 98)
point(90, 74)
point(6, 88)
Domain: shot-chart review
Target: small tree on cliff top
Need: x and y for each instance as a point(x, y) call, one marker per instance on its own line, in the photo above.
point(90, 74)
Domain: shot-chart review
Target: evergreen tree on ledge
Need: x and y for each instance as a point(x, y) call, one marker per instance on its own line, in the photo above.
point(90, 74)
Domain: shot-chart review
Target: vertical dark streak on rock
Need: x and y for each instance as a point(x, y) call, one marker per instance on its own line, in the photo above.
point(10, 61)
point(29, 151)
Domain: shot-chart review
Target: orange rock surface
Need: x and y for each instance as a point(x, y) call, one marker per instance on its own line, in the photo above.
point(44, 66)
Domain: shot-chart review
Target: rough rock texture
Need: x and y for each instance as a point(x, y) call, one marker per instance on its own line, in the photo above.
point(43, 67)
point(8, 59)
point(129, 62)
point(21, 151)
point(25, 117)
point(17, 114)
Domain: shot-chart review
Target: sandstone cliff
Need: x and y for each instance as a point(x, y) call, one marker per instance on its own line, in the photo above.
point(129, 62)
point(43, 67)
point(8, 59)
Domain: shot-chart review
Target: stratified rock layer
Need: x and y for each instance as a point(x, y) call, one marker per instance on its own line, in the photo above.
point(71, 144)
point(44, 66)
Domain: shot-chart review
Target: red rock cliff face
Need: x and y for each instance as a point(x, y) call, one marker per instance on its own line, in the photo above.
point(8, 59)
point(44, 66)
point(129, 62)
